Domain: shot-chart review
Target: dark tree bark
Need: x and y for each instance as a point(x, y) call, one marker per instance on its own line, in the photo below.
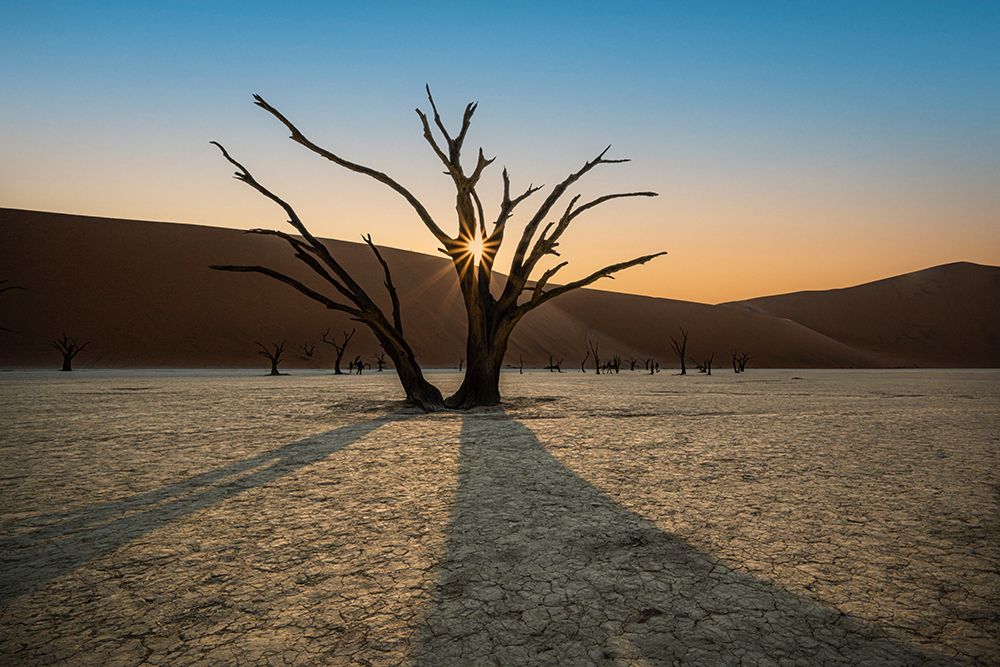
point(315, 255)
point(69, 348)
point(520, 368)
point(273, 354)
point(583, 364)
point(340, 348)
point(490, 319)
point(680, 349)
point(631, 363)
point(744, 358)
point(380, 360)
point(736, 362)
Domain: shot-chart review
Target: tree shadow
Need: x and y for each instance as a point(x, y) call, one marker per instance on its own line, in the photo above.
point(540, 567)
point(36, 555)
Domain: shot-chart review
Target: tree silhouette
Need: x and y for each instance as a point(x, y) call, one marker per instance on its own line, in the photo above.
point(554, 366)
point(380, 360)
point(340, 348)
point(491, 319)
point(706, 365)
point(307, 350)
point(273, 355)
point(69, 348)
point(595, 347)
point(680, 348)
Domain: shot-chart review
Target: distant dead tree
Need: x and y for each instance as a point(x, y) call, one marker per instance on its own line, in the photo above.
point(616, 364)
point(520, 368)
point(555, 366)
point(744, 358)
point(273, 354)
point(491, 319)
point(340, 347)
point(706, 365)
point(595, 346)
point(380, 360)
point(652, 366)
point(4, 287)
point(307, 350)
point(740, 360)
point(680, 348)
point(631, 363)
point(461, 362)
point(583, 364)
point(69, 348)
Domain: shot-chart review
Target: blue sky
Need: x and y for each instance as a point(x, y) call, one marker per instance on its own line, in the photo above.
point(822, 128)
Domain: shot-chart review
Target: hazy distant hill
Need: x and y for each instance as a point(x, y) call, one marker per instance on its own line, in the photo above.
point(948, 315)
point(142, 293)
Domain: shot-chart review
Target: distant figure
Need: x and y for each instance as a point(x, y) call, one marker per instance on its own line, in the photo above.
point(359, 364)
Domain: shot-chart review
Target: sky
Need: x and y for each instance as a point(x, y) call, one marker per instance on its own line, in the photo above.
point(795, 145)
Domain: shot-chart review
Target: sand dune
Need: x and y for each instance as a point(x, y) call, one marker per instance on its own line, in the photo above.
point(143, 295)
point(947, 315)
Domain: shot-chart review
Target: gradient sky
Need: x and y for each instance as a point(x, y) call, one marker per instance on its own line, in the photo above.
point(796, 145)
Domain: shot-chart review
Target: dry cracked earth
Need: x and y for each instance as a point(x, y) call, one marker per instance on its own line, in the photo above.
point(773, 518)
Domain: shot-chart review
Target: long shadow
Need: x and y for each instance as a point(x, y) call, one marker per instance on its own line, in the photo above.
point(35, 556)
point(540, 567)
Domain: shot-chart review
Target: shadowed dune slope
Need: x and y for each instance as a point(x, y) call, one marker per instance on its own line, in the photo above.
point(143, 295)
point(946, 316)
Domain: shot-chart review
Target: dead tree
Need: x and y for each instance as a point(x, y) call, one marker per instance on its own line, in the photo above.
point(744, 358)
point(491, 319)
point(4, 287)
point(583, 364)
point(340, 348)
point(520, 368)
point(460, 364)
point(69, 348)
point(307, 350)
point(273, 354)
point(317, 257)
point(736, 362)
point(616, 364)
point(706, 365)
point(680, 349)
point(380, 360)
point(595, 346)
point(631, 363)
point(740, 360)
point(554, 366)
point(652, 366)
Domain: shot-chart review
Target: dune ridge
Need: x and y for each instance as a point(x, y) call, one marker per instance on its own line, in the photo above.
point(143, 295)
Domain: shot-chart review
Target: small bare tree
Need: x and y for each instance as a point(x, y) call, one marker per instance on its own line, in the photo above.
point(380, 360)
point(520, 368)
point(631, 363)
point(273, 355)
point(706, 365)
point(461, 362)
point(583, 364)
point(680, 348)
point(307, 350)
point(340, 347)
point(554, 366)
point(69, 348)
point(594, 348)
point(744, 358)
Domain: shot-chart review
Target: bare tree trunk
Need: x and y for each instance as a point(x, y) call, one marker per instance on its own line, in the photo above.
point(339, 347)
point(273, 354)
point(594, 347)
point(680, 349)
point(69, 348)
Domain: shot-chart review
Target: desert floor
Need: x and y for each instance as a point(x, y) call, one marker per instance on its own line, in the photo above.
point(774, 517)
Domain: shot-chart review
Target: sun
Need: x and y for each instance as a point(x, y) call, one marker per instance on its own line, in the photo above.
point(476, 249)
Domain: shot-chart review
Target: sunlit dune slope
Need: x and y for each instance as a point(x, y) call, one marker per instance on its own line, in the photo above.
point(143, 295)
point(945, 316)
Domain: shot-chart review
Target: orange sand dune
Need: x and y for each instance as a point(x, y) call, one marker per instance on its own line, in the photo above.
point(143, 295)
point(945, 316)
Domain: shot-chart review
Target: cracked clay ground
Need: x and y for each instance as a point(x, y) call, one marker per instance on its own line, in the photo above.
point(777, 517)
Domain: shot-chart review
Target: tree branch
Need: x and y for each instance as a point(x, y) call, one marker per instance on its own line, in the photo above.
point(385, 179)
point(397, 319)
point(606, 272)
point(311, 293)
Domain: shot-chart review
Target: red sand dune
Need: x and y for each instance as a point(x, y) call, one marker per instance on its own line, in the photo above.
point(946, 316)
point(143, 295)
